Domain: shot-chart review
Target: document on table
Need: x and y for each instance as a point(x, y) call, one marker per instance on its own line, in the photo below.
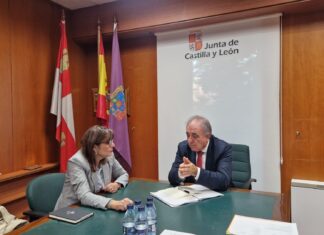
point(171, 232)
point(244, 225)
point(176, 196)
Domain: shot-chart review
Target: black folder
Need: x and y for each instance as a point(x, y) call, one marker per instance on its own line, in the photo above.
point(72, 215)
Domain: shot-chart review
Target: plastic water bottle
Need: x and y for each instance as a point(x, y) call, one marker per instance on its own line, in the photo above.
point(137, 203)
point(141, 221)
point(149, 199)
point(151, 219)
point(129, 221)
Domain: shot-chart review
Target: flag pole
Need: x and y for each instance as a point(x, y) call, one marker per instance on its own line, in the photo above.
point(63, 15)
point(115, 24)
point(99, 31)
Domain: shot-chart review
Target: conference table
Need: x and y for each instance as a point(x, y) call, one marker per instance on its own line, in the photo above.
point(210, 216)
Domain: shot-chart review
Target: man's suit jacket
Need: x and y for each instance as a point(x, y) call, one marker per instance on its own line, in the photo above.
point(80, 182)
point(218, 168)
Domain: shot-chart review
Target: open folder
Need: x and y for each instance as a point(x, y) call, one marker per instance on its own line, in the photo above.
point(176, 196)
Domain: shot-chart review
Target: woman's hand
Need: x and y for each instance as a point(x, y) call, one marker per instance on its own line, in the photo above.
point(119, 205)
point(112, 187)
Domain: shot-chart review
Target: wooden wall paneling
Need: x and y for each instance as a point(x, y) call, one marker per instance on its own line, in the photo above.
point(5, 91)
point(29, 41)
point(159, 15)
point(35, 40)
point(303, 99)
point(140, 77)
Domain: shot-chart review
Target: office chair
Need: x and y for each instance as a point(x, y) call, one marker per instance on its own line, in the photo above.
point(241, 167)
point(42, 194)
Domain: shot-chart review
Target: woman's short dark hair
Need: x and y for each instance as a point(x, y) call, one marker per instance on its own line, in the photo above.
point(95, 135)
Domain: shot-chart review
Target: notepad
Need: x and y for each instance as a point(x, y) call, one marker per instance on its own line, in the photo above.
point(72, 215)
point(255, 226)
point(176, 196)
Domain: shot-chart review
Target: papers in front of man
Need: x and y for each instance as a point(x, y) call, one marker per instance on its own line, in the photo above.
point(72, 215)
point(244, 225)
point(176, 196)
point(172, 232)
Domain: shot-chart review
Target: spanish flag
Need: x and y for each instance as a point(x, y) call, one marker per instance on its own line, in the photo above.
point(102, 83)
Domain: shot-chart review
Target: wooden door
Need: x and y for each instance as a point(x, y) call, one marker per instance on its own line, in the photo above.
point(302, 99)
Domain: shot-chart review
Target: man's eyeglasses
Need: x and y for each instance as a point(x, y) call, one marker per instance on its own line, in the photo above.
point(192, 135)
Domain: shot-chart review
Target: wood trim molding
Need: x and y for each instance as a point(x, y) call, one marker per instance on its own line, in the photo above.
point(22, 173)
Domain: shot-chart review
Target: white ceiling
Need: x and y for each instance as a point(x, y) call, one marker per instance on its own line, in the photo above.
point(76, 4)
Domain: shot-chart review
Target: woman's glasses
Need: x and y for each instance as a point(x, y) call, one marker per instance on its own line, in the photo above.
point(109, 142)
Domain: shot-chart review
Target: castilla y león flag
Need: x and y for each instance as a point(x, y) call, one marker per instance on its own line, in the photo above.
point(118, 112)
point(62, 103)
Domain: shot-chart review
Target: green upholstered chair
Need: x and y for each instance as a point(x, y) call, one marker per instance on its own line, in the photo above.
point(42, 194)
point(241, 167)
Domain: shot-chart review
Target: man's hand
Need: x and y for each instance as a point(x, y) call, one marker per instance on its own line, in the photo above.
point(112, 187)
point(119, 205)
point(187, 168)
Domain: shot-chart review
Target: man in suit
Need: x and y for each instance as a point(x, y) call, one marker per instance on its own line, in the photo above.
point(202, 158)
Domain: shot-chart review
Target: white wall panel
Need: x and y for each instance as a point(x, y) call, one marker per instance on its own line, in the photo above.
point(235, 85)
